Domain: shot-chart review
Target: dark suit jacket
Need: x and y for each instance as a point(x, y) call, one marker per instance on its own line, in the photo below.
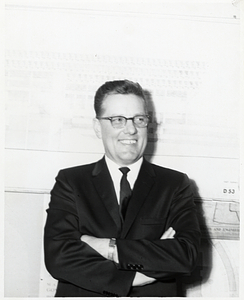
point(83, 201)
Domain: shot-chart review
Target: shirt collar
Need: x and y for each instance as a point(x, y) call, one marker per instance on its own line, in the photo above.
point(132, 175)
point(135, 166)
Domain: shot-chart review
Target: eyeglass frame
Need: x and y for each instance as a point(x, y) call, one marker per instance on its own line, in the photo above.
point(126, 119)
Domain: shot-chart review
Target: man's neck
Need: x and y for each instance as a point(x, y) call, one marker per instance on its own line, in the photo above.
point(116, 174)
point(131, 166)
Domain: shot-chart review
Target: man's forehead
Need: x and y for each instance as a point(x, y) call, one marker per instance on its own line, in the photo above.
point(121, 102)
point(116, 97)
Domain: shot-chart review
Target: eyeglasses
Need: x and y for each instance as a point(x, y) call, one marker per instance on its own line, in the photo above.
point(139, 121)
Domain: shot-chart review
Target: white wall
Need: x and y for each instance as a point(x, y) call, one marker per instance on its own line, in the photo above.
point(59, 52)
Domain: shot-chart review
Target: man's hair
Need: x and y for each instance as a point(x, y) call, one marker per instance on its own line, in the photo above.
point(124, 87)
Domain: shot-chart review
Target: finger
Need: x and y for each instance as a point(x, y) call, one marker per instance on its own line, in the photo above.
point(84, 238)
point(168, 234)
point(172, 234)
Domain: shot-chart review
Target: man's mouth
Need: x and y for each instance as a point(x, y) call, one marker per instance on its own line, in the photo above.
point(128, 142)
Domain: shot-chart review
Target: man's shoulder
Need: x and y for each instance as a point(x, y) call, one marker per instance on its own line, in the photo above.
point(165, 171)
point(169, 177)
point(79, 169)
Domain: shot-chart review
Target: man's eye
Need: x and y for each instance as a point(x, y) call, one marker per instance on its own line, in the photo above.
point(140, 119)
point(118, 120)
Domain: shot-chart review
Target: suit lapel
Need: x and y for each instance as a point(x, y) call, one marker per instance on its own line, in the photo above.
point(105, 188)
point(141, 189)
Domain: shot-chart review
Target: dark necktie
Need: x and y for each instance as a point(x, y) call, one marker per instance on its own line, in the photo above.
point(125, 191)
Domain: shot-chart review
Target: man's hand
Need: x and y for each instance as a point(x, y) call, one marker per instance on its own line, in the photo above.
point(169, 234)
point(101, 245)
point(141, 279)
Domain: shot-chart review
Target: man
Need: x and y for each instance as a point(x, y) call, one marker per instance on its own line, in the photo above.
point(113, 231)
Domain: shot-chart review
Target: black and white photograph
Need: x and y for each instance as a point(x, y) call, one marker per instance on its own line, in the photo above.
point(122, 148)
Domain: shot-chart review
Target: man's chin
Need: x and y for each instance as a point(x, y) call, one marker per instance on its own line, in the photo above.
point(128, 160)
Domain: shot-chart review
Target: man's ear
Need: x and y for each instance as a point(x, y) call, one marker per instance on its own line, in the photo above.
point(97, 128)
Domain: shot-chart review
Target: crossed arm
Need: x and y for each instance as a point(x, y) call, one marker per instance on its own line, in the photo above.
point(101, 245)
point(83, 261)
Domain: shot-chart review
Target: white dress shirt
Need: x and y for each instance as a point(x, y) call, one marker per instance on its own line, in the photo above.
point(116, 174)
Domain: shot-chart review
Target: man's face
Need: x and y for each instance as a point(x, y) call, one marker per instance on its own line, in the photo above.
point(124, 145)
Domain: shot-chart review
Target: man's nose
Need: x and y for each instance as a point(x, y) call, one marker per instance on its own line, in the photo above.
point(130, 127)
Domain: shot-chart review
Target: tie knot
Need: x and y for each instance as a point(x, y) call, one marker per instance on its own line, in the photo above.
point(124, 170)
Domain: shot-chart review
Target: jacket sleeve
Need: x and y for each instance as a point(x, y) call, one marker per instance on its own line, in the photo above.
point(70, 260)
point(169, 257)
